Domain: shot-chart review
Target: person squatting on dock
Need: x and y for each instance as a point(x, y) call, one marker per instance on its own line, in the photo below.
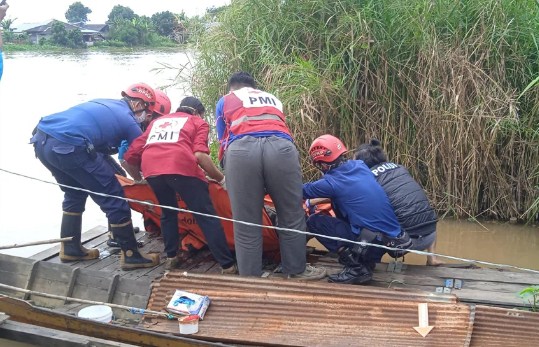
point(363, 211)
point(410, 203)
point(174, 156)
point(260, 157)
point(73, 145)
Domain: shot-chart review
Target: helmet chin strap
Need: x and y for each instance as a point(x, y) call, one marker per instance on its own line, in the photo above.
point(325, 167)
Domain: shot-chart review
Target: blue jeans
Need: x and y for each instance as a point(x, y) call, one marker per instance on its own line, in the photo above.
point(331, 226)
point(71, 165)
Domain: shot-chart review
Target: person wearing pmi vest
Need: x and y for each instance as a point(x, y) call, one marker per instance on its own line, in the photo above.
point(174, 157)
point(412, 208)
point(260, 156)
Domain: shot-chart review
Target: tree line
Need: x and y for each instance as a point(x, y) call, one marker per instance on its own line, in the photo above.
point(126, 28)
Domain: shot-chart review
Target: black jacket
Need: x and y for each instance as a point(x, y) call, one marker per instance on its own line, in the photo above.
point(408, 199)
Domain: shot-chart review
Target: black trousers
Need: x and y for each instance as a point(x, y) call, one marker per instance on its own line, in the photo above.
point(196, 195)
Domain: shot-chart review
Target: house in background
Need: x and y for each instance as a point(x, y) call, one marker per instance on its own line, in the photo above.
point(38, 31)
point(102, 29)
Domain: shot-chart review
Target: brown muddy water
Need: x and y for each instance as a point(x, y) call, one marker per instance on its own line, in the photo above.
point(489, 241)
point(495, 242)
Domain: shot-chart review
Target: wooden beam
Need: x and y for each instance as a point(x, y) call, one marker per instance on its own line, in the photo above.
point(30, 280)
point(112, 287)
point(39, 336)
point(71, 285)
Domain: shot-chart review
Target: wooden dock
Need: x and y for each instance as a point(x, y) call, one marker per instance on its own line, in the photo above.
point(469, 283)
point(465, 301)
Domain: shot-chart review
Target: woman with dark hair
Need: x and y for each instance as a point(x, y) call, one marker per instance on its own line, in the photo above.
point(174, 156)
point(412, 208)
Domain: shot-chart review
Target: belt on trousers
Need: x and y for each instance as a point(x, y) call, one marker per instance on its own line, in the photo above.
point(265, 116)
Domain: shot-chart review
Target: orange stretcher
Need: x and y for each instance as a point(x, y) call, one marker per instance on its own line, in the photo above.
point(192, 237)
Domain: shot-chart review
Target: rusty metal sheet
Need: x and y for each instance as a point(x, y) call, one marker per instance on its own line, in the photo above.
point(496, 326)
point(290, 313)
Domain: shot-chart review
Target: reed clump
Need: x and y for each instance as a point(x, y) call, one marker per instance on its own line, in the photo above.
point(437, 81)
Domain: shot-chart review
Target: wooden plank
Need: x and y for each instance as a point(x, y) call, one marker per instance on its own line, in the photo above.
point(109, 264)
point(40, 336)
point(481, 274)
point(14, 271)
point(133, 287)
point(86, 236)
point(23, 312)
point(100, 243)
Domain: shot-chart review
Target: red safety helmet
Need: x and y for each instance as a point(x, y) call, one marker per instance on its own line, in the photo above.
point(162, 103)
point(141, 91)
point(326, 149)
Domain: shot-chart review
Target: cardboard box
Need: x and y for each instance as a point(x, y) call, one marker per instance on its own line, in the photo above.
point(186, 303)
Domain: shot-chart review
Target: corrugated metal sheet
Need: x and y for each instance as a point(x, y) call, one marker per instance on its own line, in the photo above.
point(495, 326)
point(289, 313)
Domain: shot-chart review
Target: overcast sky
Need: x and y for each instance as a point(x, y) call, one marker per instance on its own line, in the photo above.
point(38, 10)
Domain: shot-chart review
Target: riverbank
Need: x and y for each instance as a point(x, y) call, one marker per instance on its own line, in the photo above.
point(16, 47)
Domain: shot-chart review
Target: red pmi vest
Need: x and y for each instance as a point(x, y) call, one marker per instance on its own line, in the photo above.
point(249, 110)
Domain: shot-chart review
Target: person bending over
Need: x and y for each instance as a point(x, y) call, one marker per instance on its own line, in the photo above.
point(174, 155)
point(74, 146)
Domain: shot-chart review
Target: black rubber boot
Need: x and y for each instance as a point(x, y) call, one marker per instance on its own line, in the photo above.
point(73, 250)
point(347, 257)
point(358, 274)
point(112, 243)
point(130, 257)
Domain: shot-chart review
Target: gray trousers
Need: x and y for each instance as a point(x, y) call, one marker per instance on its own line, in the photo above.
point(254, 166)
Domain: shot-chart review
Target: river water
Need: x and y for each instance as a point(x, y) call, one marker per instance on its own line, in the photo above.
point(35, 85)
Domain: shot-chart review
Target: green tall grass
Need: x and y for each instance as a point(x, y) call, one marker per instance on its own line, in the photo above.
point(437, 81)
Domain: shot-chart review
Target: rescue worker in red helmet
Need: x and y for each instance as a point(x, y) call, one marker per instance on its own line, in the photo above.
point(259, 157)
point(162, 104)
point(362, 207)
point(74, 145)
point(174, 155)
point(161, 107)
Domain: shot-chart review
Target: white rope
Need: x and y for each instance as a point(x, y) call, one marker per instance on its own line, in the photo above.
point(472, 261)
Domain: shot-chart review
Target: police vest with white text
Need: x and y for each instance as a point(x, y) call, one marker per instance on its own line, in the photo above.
point(249, 110)
point(409, 201)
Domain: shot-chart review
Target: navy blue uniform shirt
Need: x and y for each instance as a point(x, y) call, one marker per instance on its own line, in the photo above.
point(359, 199)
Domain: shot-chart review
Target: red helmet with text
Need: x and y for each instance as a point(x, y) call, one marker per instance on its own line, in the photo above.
point(326, 149)
point(141, 91)
point(162, 103)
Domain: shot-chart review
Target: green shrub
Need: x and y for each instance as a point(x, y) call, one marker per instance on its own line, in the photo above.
point(436, 81)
